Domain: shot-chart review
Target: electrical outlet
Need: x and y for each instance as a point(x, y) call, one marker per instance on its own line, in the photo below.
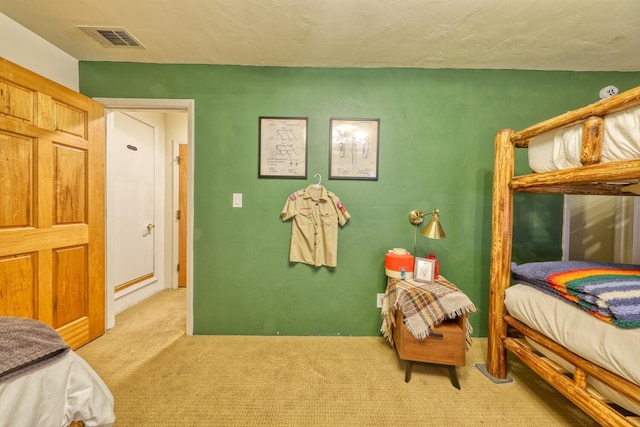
point(379, 298)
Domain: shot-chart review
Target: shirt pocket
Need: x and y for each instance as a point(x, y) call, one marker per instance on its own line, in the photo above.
point(328, 219)
point(305, 217)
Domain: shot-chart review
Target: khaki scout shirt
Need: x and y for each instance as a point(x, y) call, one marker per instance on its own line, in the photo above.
point(316, 214)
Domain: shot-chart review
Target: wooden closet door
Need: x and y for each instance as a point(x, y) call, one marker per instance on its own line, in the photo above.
point(51, 205)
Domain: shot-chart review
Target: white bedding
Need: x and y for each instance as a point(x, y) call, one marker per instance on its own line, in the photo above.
point(560, 148)
point(613, 348)
point(55, 395)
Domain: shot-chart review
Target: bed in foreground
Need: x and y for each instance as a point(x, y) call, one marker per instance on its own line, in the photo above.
point(43, 383)
point(599, 374)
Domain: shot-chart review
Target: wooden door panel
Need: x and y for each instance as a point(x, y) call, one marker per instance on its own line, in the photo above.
point(69, 285)
point(70, 120)
point(18, 286)
point(70, 185)
point(16, 102)
point(51, 205)
point(16, 181)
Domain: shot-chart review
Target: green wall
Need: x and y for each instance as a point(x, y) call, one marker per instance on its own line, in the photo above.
point(436, 150)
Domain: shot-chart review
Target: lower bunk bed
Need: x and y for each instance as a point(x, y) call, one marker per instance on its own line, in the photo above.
point(587, 338)
point(46, 384)
point(589, 358)
point(592, 362)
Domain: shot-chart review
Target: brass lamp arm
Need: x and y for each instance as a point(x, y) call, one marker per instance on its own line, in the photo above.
point(416, 217)
point(433, 230)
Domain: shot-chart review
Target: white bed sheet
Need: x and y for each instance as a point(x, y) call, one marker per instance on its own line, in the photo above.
point(613, 348)
point(59, 393)
point(560, 148)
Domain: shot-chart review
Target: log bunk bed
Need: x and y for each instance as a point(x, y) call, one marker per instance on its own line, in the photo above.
point(567, 369)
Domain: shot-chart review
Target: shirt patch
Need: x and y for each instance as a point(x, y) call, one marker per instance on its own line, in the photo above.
point(292, 196)
point(342, 207)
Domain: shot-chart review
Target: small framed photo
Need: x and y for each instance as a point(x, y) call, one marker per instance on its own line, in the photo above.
point(424, 270)
point(283, 147)
point(353, 153)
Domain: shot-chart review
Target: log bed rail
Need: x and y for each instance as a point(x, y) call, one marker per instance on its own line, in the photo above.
point(573, 386)
point(622, 101)
point(611, 178)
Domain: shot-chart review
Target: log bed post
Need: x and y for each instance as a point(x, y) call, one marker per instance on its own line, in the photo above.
point(501, 247)
point(592, 135)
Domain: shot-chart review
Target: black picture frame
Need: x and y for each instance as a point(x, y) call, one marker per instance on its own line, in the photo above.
point(282, 147)
point(353, 148)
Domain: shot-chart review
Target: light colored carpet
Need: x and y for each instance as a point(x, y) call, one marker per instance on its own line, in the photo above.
point(160, 377)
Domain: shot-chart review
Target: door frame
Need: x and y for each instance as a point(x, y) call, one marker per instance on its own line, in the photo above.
point(627, 230)
point(174, 105)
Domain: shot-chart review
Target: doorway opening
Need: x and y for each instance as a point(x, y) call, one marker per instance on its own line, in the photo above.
point(602, 228)
point(168, 221)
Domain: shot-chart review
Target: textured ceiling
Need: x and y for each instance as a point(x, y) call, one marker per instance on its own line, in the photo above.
point(503, 34)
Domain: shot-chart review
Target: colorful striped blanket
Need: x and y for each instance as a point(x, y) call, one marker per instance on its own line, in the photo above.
point(424, 306)
point(610, 292)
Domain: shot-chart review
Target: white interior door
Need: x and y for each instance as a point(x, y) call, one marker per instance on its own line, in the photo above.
point(131, 204)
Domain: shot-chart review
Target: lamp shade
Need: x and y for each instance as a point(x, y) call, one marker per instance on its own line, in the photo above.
point(433, 230)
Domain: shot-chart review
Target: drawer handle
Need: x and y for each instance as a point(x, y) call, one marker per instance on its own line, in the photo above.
point(435, 334)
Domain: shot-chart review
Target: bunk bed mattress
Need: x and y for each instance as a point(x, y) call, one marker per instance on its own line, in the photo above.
point(560, 148)
point(65, 390)
point(613, 348)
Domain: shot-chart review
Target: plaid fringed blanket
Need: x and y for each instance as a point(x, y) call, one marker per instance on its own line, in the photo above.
point(610, 292)
point(424, 305)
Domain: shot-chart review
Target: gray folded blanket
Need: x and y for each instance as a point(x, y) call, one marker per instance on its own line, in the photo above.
point(27, 344)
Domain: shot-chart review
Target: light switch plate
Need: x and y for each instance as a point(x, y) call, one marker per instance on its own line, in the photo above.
point(237, 200)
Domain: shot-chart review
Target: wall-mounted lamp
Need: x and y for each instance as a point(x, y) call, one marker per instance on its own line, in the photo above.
point(433, 230)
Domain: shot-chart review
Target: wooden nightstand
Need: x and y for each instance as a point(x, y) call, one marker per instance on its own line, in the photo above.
point(423, 322)
point(445, 345)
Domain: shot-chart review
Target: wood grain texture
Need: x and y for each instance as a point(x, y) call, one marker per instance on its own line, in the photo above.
point(445, 345)
point(501, 248)
point(19, 285)
point(17, 179)
point(51, 204)
point(592, 135)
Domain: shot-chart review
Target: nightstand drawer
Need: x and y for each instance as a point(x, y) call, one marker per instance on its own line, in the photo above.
point(446, 343)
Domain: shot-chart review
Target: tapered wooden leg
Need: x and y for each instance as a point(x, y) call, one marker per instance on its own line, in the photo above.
point(407, 374)
point(453, 373)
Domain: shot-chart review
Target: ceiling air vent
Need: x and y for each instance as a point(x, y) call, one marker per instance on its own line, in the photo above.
point(112, 37)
